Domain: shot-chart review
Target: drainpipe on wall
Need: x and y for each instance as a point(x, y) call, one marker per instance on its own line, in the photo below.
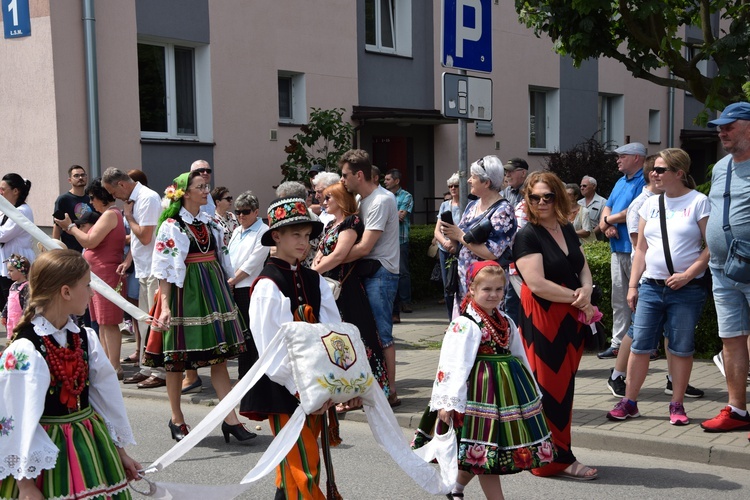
point(92, 90)
point(670, 115)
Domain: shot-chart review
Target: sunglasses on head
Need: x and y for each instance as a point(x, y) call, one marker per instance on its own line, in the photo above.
point(245, 211)
point(660, 170)
point(203, 170)
point(535, 199)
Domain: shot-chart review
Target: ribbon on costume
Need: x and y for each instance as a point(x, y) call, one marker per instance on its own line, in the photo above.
point(51, 244)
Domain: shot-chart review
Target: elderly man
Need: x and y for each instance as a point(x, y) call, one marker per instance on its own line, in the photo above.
point(142, 210)
point(378, 248)
point(204, 168)
point(593, 202)
point(732, 298)
point(516, 170)
point(630, 158)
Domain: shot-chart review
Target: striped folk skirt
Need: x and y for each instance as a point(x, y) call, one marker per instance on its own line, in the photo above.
point(503, 430)
point(206, 325)
point(87, 467)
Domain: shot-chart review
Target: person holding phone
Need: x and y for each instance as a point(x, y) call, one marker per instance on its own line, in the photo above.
point(449, 211)
point(73, 203)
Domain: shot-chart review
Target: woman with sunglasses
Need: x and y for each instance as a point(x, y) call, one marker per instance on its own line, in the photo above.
point(445, 247)
point(667, 286)
point(494, 213)
point(223, 214)
point(196, 322)
point(556, 309)
point(339, 237)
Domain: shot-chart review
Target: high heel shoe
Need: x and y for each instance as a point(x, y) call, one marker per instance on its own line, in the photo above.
point(178, 431)
point(238, 431)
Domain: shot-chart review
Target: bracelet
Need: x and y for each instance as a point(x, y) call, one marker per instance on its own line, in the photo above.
point(606, 221)
point(70, 226)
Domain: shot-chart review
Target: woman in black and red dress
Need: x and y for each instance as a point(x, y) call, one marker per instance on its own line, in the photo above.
point(556, 303)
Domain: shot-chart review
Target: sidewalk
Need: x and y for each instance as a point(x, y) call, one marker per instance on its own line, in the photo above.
point(417, 342)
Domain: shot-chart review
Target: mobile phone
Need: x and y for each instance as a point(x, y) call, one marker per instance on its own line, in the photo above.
point(59, 215)
point(447, 217)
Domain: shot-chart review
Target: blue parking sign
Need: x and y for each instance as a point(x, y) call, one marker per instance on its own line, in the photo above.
point(16, 18)
point(466, 38)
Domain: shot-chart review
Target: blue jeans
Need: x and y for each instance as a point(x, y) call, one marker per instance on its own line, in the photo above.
point(677, 310)
point(403, 296)
point(444, 274)
point(381, 291)
point(732, 300)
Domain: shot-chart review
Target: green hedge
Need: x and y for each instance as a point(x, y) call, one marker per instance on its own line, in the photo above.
point(707, 341)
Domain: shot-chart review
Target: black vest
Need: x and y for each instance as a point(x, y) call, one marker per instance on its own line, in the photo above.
point(52, 405)
point(301, 286)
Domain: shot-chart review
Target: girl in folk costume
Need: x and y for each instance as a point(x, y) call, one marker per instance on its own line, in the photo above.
point(63, 425)
point(196, 322)
point(18, 295)
point(286, 291)
point(484, 385)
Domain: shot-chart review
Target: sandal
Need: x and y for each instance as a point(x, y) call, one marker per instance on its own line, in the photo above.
point(394, 400)
point(129, 359)
point(579, 472)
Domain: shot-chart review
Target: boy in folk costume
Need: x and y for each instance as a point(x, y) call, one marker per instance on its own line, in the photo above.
point(286, 291)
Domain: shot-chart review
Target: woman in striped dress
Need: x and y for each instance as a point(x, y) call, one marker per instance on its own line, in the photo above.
point(63, 425)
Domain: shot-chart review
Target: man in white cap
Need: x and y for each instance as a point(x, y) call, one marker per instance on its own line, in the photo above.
point(731, 297)
point(630, 158)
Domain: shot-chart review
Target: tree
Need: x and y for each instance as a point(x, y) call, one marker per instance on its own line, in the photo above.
point(322, 141)
point(645, 35)
point(589, 157)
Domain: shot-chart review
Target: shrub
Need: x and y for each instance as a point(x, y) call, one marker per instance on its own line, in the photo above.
point(420, 265)
point(589, 157)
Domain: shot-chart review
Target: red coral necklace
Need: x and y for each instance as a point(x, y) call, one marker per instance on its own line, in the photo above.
point(68, 369)
point(497, 326)
point(200, 235)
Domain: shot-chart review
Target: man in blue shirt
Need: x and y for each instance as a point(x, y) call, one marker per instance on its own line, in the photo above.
point(405, 205)
point(630, 158)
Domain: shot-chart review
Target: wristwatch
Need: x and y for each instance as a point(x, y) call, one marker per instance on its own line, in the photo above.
point(606, 221)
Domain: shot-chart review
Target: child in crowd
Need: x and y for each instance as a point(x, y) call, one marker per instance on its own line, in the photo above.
point(484, 385)
point(286, 291)
point(63, 425)
point(18, 271)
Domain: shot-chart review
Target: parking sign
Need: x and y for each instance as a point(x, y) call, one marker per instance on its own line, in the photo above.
point(466, 37)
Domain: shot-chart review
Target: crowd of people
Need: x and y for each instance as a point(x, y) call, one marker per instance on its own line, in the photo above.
point(219, 281)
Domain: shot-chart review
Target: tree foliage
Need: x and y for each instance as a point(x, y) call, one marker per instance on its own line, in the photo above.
point(645, 35)
point(589, 157)
point(322, 141)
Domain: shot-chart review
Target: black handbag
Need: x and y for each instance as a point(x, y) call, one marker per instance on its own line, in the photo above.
point(451, 275)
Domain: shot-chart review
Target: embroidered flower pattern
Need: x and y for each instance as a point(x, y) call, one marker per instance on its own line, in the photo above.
point(11, 361)
point(167, 247)
point(545, 453)
point(441, 376)
point(523, 458)
point(346, 386)
point(476, 455)
point(6, 425)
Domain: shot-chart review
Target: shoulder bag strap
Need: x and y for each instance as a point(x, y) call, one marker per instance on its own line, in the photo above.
point(727, 200)
point(664, 237)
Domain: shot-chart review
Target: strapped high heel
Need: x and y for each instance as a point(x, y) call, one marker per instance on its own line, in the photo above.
point(178, 431)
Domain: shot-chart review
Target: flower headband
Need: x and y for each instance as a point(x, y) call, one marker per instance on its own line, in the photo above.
point(173, 193)
point(19, 262)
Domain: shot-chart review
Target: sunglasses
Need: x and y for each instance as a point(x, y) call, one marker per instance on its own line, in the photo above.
point(660, 170)
point(226, 198)
point(203, 170)
point(535, 199)
point(453, 186)
point(245, 211)
point(584, 185)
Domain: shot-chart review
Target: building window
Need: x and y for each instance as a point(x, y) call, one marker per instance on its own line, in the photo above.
point(292, 101)
point(544, 120)
point(702, 65)
point(611, 120)
point(170, 90)
point(654, 126)
point(388, 26)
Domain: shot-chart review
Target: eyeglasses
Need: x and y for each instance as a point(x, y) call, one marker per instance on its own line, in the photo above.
point(245, 211)
point(227, 198)
point(202, 187)
point(452, 186)
point(79, 176)
point(660, 170)
point(535, 199)
point(203, 170)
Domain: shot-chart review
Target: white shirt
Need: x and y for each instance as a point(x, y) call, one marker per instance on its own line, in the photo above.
point(246, 253)
point(379, 213)
point(685, 239)
point(146, 212)
point(15, 239)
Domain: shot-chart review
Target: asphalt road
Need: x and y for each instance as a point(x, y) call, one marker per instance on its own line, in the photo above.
point(364, 471)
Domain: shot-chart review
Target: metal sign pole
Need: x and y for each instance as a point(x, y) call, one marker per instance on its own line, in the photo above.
point(463, 175)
